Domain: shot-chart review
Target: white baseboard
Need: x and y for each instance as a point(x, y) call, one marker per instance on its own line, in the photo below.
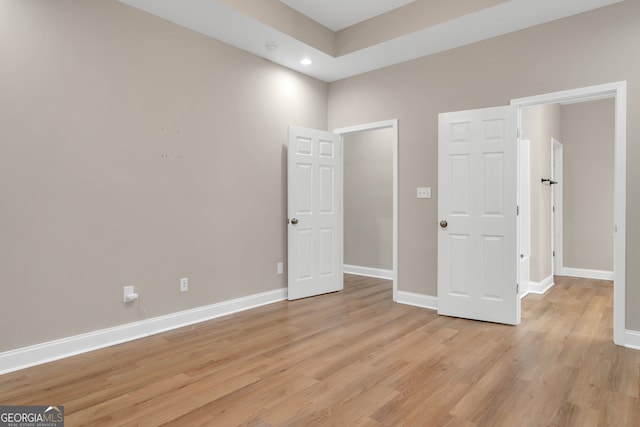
point(367, 271)
point(418, 300)
point(632, 339)
point(586, 274)
point(542, 287)
point(21, 358)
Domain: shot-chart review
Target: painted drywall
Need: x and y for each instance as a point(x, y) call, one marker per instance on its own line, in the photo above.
point(412, 17)
point(588, 49)
point(540, 124)
point(135, 152)
point(289, 21)
point(588, 140)
point(404, 20)
point(368, 199)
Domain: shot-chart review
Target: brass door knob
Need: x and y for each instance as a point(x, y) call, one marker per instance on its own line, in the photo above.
point(294, 221)
point(443, 224)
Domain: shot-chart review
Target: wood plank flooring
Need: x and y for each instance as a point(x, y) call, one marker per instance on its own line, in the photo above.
point(355, 358)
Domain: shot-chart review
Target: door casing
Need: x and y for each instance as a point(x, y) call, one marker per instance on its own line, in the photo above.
point(386, 124)
point(618, 91)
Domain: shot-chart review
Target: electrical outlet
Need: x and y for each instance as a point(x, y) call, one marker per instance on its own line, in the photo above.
point(280, 268)
point(184, 284)
point(129, 294)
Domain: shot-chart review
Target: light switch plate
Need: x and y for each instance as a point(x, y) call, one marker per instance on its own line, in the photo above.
point(423, 193)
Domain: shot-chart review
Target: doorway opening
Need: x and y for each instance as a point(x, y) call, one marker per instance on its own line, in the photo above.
point(383, 231)
point(617, 91)
point(368, 204)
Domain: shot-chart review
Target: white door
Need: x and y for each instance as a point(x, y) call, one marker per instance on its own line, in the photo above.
point(314, 182)
point(477, 238)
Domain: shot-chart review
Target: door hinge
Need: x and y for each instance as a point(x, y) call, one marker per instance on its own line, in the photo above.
point(517, 288)
point(517, 210)
point(554, 253)
point(554, 209)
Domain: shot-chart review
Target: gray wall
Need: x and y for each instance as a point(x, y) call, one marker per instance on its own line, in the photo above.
point(588, 140)
point(133, 151)
point(588, 49)
point(368, 199)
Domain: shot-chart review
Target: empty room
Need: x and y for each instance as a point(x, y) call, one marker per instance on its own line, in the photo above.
point(443, 225)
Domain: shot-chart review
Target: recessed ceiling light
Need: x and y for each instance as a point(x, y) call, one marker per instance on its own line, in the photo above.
point(306, 61)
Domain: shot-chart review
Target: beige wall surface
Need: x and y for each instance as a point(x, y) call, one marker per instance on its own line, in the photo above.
point(412, 17)
point(588, 140)
point(368, 199)
point(541, 123)
point(588, 49)
point(278, 15)
point(415, 16)
point(133, 151)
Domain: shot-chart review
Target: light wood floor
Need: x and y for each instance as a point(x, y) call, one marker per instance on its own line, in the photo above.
point(355, 358)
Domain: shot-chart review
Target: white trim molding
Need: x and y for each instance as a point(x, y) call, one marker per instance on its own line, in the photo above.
point(368, 271)
point(25, 357)
point(586, 273)
point(417, 300)
point(632, 339)
point(541, 287)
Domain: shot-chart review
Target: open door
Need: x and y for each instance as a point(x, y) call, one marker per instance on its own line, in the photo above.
point(477, 208)
point(314, 186)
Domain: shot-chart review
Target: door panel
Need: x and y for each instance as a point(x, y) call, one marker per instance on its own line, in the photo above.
point(314, 196)
point(477, 252)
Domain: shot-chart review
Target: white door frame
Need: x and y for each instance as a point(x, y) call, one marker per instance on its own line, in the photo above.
point(618, 91)
point(557, 159)
point(387, 124)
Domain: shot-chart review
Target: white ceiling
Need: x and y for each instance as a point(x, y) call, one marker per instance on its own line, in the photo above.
point(221, 22)
point(339, 14)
